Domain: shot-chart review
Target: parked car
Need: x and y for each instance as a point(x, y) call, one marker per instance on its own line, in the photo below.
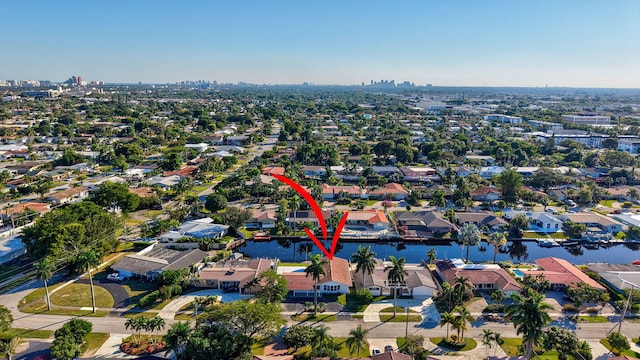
point(375, 351)
point(114, 277)
point(388, 348)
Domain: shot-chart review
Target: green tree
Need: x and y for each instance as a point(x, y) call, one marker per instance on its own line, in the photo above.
point(86, 262)
point(498, 296)
point(469, 235)
point(562, 340)
point(446, 318)
point(215, 202)
point(6, 319)
point(529, 315)
point(272, 287)
point(299, 336)
point(413, 346)
point(365, 261)
point(235, 217)
point(8, 346)
point(538, 283)
point(519, 224)
point(497, 239)
point(618, 342)
point(460, 321)
point(462, 288)
point(44, 272)
point(396, 275)
point(316, 269)
point(582, 294)
point(113, 196)
point(510, 183)
point(574, 230)
point(323, 345)
point(357, 339)
point(487, 341)
point(438, 198)
point(251, 319)
point(216, 341)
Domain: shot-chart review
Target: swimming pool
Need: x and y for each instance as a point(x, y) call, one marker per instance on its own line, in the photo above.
point(518, 273)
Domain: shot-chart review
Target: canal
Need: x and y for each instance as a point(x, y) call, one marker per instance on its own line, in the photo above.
point(416, 252)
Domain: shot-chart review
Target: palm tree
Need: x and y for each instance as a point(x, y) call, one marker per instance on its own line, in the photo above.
point(396, 276)
point(156, 324)
point(469, 235)
point(177, 337)
point(44, 272)
point(487, 340)
point(9, 347)
point(498, 240)
point(365, 260)
point(633, 194)
point(131, 324)
point(294, 205)
point(497, 338)
point(528, 312)
point(323, 344)
point(86, 262)
point(432, 254)
point(462, 286)
point(463, 316)
point(446, 318)
point(316, 270)
point(356, 340)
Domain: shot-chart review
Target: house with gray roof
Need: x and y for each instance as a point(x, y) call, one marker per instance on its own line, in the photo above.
point(203, 228)
point(152, 261)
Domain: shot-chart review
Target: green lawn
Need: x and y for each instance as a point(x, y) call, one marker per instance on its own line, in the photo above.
point(401, 317)
point(593, 319)
point(399, 310)
point(36, 294)
point(311, 318)
point(631, 353)
point(469, 344)
point(371, 202)
point(28, 333)
point(79, 295)
point(94, 342)
point(511, 346)
point(535, 234)
point(258, 347)
point(608, 203)
point(137, 289)
point(146, 315)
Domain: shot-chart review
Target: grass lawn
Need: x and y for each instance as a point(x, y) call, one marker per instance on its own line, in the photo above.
point(399, 310)
point(592, 319)
point(137, 289)
point(28, 333)
point(146, 315)
point(469, 344)
point(400, 317)
point(79, 295)
point(39, 307)
point(608, 203)
point(352, 302)
point(535, 234)
point(94, 342)
point(37, 294)
point(631, 353)
point(343, 352)
point(371, 202)
point(132, 222)
point(258, 347)
point(312, 318)
point(511, 346)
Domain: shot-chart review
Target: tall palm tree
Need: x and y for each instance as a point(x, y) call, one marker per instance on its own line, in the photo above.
point(497, 338)
point(462, 286)
point(432, 254)
point(316, 270)
point(396, 276)
point(323, 344)
point(498, 240)
point(633, 194)
point(177, 337)
point(356, 340)
point(487, 340)
point(294, 205)
point(156, 323)
point(528, 312)
point(130, 324)
point(365, 260)
point(469, 235)
point(446, 318)
point(44, 272)
point(9, 347)
point(463, 316)
point(86, 262)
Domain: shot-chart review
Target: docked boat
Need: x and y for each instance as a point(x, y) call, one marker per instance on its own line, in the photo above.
point(261, 236)
point(548, 243)
point(635, 262)
point(570, 243)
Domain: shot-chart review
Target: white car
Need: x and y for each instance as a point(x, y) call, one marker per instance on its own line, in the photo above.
point(114, 277)
point(375, 351)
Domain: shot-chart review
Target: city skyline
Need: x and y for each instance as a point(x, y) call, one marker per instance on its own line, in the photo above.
point(457, 43)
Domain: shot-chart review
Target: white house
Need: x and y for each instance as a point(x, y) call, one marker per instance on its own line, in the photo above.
point(201, 147)
point(336, 281)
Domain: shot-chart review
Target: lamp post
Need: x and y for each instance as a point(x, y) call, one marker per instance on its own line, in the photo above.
point(406, 328)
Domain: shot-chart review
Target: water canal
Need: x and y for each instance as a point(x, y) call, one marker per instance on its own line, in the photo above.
point(416, 252)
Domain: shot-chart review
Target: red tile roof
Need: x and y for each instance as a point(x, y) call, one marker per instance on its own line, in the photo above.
point(143, 192)
point(560, 271)
point(187, 171)
point(19, 208)
point(269, 170)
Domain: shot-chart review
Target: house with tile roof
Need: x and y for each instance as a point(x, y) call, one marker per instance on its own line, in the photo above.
point(561, 273)
point(425, 222)
point(389, 191)
point(331, 192)
point(369, 218)
point(270, 170)
point(481, 219)
point(68, 196)
point(486, 194)
point(232, 273)
point(336, 281)
point(487, 277)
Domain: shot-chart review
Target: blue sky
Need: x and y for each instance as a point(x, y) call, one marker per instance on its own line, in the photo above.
point(479, 43)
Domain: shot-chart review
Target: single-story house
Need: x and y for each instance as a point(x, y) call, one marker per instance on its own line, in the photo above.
point(336, 281)
point(200, 229)
point(486, 194)
point(233, 273)
point(482, 276)
point(375, 218)
point(153, 260)
point(619, 277)
point(330, 192)
point(419, 173)
point(488, 172)
point(314, 172)
point(418, 281)
point(560, 273)
point(68, 196)
point(262, 219)
point(425, 221)
point(594, 220)
point(270, 170)
point(164, 182)
point(385, 170)
point(482, 218)
point(391, 191)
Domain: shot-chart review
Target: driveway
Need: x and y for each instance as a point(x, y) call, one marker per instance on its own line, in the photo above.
point(120, 295)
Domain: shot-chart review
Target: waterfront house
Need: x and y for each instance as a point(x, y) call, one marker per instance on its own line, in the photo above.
point(262, 219)
point(314, 172)
point(595, 222)
point(301, 216)
point(199, 229)
point(418, 281)
point(232, 273)
point(336, 281)
point(540, 221)
point(482, 219)
point(560, 273)
point(270, 170)
point(425, 222)
point(487, 277)
point(368, 219)
point(331, 192)
point(619, 277)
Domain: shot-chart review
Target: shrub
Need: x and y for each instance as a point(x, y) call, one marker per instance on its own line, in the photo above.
point(149, 299)
point(364, 296)
point(569, 308)
point(494, 308)
point(343, 201)
point(592, 310)
point(627, 204)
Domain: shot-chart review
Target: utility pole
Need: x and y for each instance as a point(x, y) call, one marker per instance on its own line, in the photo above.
point(406, 327)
